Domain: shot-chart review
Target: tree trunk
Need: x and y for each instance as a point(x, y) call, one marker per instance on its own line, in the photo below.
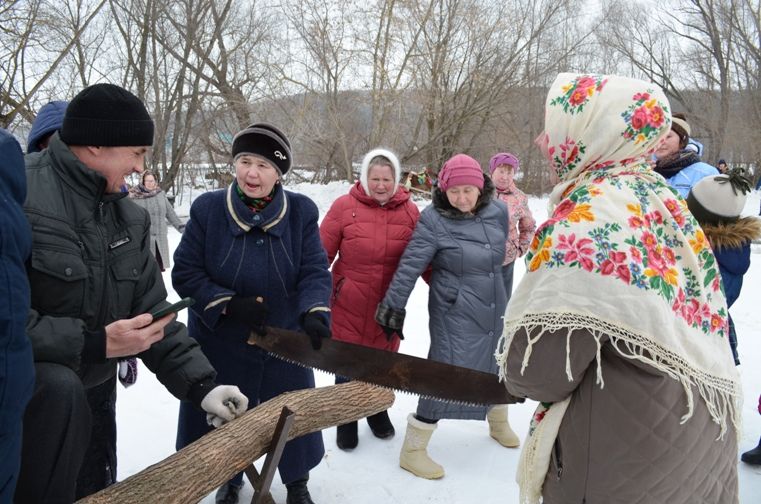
point(190, 474)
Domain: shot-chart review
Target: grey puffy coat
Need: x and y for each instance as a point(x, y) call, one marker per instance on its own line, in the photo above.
point(160, 210)
point(467, 297)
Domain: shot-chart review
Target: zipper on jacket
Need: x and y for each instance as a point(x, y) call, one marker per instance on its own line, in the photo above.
point(67, 237)
point(54, 232)
point(104, 304)
point(558, 460)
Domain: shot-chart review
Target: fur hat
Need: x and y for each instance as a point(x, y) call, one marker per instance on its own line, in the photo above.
point(461, 169)
point(504, 158)
point(719, 198)
point(105, 115)
point(365, 167)
point(267, 141)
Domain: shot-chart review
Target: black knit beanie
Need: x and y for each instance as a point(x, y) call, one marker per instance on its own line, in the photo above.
point(267, 141)
point(105, 115)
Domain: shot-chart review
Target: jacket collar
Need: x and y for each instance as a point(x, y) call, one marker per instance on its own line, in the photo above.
point(733, 234)
point(400, 197)
point(269, 219)
point(79, 177)
point(442, 205)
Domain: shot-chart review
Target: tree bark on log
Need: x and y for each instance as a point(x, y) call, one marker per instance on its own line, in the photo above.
point(193, 472)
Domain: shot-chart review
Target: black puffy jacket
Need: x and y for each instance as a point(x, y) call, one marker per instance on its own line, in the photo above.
point(91, 265)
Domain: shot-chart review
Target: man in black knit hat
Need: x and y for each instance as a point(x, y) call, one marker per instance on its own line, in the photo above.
point(94, 283)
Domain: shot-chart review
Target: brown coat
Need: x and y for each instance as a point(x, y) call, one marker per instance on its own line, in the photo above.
point(623, 443)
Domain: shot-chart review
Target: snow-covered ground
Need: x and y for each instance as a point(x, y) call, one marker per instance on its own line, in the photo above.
point(478, 469)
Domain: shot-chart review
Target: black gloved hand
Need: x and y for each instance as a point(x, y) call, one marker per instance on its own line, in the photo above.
point(390, 320)
point(316, 326)
point(250, 311)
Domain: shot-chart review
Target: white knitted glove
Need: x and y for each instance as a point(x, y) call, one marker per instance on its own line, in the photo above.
point(224, 403)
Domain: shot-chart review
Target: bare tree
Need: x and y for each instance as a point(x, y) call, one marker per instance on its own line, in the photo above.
point(686, 50)
point(34, 41)
point(387, 44)
point(322, 55)
point(743, 141)
point(470, 56)
point(172, 90)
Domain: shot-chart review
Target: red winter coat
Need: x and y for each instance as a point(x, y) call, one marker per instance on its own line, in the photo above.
point(369, 240)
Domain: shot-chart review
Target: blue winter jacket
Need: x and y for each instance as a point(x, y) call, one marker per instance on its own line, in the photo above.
point(227, 249)
point(16, 362)
point(731, 242)
point(733, 263)
point(48, 120)
point(689, 176)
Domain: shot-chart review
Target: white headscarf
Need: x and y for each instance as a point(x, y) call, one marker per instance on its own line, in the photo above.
point(365, 168)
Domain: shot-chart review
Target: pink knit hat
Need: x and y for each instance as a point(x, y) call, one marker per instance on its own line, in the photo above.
point(461, 169)
point(504, 158)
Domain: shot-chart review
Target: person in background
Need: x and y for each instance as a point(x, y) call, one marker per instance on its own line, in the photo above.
point(681, 167)
point(462, 235)
point(503, 167)
point(722, 166)
point(717, 203)
point(617, 329)
point(694, 146)
point(93, 286)
point(251, 256)
point(367, 230)
point(148, 194)
point(17, 371)
point(47, 122)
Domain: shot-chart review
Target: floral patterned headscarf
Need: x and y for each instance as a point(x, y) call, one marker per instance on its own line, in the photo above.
point(619, 243)
point(581, 135)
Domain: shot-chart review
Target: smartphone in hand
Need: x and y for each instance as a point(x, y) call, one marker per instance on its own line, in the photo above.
point(173, 308)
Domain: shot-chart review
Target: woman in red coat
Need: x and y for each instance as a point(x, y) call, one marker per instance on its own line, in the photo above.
point(368, 230)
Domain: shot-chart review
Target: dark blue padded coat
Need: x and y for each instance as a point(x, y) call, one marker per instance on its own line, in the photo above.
point(16, 362)
point(731, 246)
point(226, 249)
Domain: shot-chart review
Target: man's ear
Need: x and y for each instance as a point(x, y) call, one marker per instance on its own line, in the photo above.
point(93, 150)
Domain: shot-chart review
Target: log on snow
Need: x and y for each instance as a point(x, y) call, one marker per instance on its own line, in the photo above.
point(193, 472)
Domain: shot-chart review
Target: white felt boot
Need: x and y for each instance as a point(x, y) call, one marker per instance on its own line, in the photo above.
point(499, 427)
point(414, 456)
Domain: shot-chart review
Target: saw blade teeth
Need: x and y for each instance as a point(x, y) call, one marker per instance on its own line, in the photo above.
point(453, 401)
point(395, 390)
point(297, 363)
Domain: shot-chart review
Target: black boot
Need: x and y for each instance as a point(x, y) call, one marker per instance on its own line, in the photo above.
point(753, 456)
point(381, 425)
point(298, 492)
point(346, 436)
point(228, 493)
